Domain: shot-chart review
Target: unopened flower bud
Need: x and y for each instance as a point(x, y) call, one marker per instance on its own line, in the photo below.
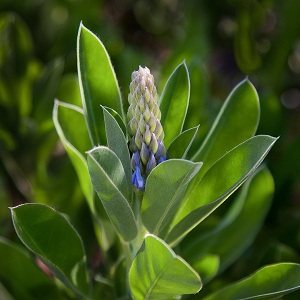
point(151, 163)
point(153, 144)
point(144, 154)
point(145, 129)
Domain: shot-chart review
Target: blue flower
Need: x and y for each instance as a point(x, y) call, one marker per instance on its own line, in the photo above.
point(137, 178)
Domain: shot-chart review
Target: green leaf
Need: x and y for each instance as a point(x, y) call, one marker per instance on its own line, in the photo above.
point(68, 90)
point(14, 259)
point(97, 81)
point(158, 273)
point(237, 121)
point(50, 236)
point(221, 180)
point(174, 103)
point(109, 181)
point(269, 282)
point(76, 142)
point(117, 143)
point(180, 146)
point(118, 118)
point(165, 187)
point(240, 226)
point(70, 126)
point(207, 265)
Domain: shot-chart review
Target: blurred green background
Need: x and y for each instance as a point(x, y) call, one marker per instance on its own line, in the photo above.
point(221, 41)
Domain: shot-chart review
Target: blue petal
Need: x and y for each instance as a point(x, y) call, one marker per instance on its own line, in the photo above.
point(151, 163)
point(144, 153)
point(136, 157)
point(137, 179)
point(161, 152)
point(159, 149)
point(161, 159)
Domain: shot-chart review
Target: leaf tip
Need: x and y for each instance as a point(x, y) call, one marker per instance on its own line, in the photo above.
point(81, 26)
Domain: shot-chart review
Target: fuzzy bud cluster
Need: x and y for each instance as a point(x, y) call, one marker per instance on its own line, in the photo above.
point(145, 129)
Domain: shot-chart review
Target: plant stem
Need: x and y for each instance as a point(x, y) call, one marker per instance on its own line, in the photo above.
point(131, 248)
point(142, 231)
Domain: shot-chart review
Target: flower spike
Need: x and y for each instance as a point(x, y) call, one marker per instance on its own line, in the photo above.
point(145, 129)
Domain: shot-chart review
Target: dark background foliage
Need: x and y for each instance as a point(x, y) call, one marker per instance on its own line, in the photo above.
point(221, 42)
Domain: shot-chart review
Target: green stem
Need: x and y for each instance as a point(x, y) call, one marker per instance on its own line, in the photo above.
point(128, 260)
point(142, 231)
point(127, 254)
point(130, 249)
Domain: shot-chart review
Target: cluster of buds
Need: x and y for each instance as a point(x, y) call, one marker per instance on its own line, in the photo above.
point(145, 130)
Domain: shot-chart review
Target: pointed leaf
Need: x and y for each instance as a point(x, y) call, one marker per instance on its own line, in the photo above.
point(69, 119)
point(97, 81)
point(165, 187)
point(162, 276)
point(222, 179)
point(237, 121)
point(118, 118)
point(269, 282)
point(174, 103)
point(232, 237)
point(76, 142)
point(50, 236)
point(109, 181)
point(180, 146)
point(70, 126)
point(117, 143)
point(20, 286)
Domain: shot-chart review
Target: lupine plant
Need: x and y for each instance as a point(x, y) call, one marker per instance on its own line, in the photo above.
point(150, 184)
